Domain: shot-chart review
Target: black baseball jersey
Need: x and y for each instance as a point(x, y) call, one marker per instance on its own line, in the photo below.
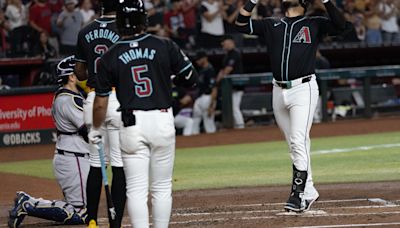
point(207, 79)
point(93, 41)
point(292, 42)
point(141, 69)
point(233, 58)
point(177, 94)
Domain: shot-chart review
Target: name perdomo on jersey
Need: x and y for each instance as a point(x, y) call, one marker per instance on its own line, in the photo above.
point(102, 34)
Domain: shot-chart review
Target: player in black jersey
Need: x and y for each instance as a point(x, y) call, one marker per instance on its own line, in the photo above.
point(292, 42)
point(93, 41)
point(140, 66)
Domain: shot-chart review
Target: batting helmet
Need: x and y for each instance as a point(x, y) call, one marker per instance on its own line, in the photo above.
point(108, 6)
point(64, 69)
point(131, 17)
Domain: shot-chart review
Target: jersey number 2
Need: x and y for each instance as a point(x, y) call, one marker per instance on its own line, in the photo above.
point(143, 86)
point(100, 49)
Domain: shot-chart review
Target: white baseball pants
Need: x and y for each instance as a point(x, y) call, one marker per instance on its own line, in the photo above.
point(183, 120)
point(200, 112)
point(110, 130)
point(294, 110)
point(148, 153)
point(237, 114)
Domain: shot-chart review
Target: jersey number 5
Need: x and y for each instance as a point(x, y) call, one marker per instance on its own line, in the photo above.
point(100, 49)
point(143, 86)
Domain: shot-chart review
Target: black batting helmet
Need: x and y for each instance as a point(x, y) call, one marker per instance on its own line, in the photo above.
point(108, 6)
point(304, 3)
point(131, 17)
point(64, 69)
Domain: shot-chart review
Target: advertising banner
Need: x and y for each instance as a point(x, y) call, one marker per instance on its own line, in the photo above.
point(26, 112)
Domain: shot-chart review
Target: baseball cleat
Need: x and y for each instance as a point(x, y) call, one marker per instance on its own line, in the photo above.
point(92, 224)
point(309, 203)
point(295, 203)
point(18, 213)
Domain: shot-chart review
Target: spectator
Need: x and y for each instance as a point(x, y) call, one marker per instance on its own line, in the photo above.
point(174, 23)
point(212, 26)
point(358, 22)
point(17, 15)
point(390, 28)
point(70, 22)
point(56, 7)
point(43, 48)
point(232, 64)
point(40, 17)
point(373, 23)
point(87, 12)
point(231, 9)
point(189, 11)
point(4, 28)
point(155, 12)
point(182, 110)
point(266, 8)
point(204, 106)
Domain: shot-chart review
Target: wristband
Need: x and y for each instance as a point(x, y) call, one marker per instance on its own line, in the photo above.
point(325, 1)
point(249, 6)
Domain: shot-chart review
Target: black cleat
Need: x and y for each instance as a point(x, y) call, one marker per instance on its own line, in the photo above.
point(295, 203)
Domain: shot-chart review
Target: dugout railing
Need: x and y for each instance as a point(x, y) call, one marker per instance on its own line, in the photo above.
point(365, 74)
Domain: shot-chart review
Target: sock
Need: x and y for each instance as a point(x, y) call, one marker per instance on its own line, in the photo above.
point(118, 192)
point(93, 191)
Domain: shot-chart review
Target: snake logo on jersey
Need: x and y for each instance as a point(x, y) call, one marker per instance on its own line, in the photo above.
point(98, 37)
point(303, 36)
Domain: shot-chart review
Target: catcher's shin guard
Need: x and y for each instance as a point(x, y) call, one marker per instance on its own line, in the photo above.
point(296, 200)
point(57, 211)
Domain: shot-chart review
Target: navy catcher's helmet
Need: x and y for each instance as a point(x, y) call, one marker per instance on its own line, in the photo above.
point(131, 17)
point(64, 69)
point(108, 6)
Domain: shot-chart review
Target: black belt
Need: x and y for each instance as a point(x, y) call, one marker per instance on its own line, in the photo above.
point(63, 152)
point(289, 84)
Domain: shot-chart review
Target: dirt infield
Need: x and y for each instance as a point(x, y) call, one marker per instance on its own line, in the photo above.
point(375, 204)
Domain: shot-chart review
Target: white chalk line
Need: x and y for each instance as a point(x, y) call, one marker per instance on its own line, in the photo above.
point(362, 148)
point(374, 200)
point(351, 225)
point(269, 204)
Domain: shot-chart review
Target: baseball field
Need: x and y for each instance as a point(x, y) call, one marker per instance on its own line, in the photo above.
point(241, 178)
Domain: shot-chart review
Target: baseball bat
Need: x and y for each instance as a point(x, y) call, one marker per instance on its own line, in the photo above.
point(112, 215)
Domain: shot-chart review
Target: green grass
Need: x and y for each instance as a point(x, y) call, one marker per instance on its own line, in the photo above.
point(267, 163)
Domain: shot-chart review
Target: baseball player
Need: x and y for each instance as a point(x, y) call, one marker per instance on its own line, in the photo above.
point(292, 42)
point(232, 64)
point(93, 41)
point(182, 110)
point(204, 106)
point(140, 67)
point(71, 158)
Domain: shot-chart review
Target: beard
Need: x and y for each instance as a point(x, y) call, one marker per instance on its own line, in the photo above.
point(289, 4)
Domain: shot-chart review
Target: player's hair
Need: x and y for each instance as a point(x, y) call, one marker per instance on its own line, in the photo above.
point(108, 6)
point(131, 17)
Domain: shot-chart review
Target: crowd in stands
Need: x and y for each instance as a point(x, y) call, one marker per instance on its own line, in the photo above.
point(48, 28)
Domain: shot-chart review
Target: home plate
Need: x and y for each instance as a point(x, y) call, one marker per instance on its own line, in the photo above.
point(306, 213)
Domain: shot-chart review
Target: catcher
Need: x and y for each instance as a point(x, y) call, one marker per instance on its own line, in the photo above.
point(71, 158)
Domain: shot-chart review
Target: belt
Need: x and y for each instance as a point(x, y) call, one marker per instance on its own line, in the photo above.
point(63, 152)
point(293, 83)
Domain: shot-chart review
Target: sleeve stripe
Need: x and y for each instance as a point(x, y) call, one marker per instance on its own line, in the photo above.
point(103, 94)
point(80, 60)
point(251, 27)
point(185, 68)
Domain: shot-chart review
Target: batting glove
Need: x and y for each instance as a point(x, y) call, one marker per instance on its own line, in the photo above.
point(254, 1)
point(95, 136)
point(325, 1)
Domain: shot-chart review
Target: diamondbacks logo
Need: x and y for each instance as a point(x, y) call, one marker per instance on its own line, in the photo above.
point(303, 36)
